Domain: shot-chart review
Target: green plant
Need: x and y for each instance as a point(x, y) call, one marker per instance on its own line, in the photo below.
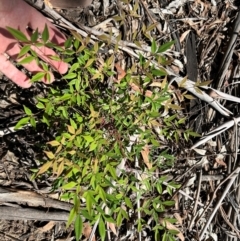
point(108, 130)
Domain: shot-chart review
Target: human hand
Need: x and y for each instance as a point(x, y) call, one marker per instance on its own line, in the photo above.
point(19, 15)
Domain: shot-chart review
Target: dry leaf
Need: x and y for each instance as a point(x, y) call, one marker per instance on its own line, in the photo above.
point(46, 227)
point(183, 36)
point(145, 155)
point(112, 227)
point(219, 160)
point(54, 195)
point(156, 84)
point(170, 226)
point(47, 2)
point(178, 217)
point(200, 151)
point(120, 72)
point(87, 229)
point(148, 93)
point(179, 95)
point(135, 87)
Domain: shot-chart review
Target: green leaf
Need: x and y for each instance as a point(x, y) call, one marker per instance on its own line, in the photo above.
point(68, 43)
point(24, 50)
point(171, 220)
point(93, 146)
point(65, 97)
point(45, 34)
point(40, 105)
point(119, 219)
point(142, 59)
point(69, 185)
point(89, 201)
point(168, 203)
point(124, 213)
point(204, 83)
point(66, 135)
point(182, 121)
point(77, 84)
point(17, 34)
point(159, 188)
point(102, 229)
point(38, 45)
point(34, 54)
point(169, 190)
point(112, 171)
point(55, 57)
point(33, 122)
point(64, 112)
point(44, 66)
point(190, 97)
point(119, 196)
point(151, 27)
point(71, 217)
point(70, 76)
point(165, 47)
point(88, 138)
point(77, 43)
point(73, 124)
point(27, 110)
point(128, 202)
point(89, 62)
point(96, 47)
point(42, 100)
point(102, 193)
point(27, 60)
point(171, 238)
point(34, 36)
point(153, 46)
point(78, 227)
point(172, 231)
point(22, 122)
point(164, 238)
point(194, 134)
point(38, 76)
point(159, 72)
point(45, 120)
point(156, 234)
point(74, 67)
point(139, 226)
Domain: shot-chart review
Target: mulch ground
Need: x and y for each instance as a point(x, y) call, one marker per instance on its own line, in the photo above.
point(201, 29)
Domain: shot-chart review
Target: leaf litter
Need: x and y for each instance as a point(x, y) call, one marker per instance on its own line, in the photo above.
point(211, 22)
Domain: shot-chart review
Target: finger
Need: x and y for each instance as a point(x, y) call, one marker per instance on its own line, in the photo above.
point(32, 67)
point(8, 69)
point(45, 54)
point(38, 21)
point(34, 20)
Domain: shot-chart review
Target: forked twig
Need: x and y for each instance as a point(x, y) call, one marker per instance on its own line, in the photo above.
point(217, 131)
point(232, 178)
